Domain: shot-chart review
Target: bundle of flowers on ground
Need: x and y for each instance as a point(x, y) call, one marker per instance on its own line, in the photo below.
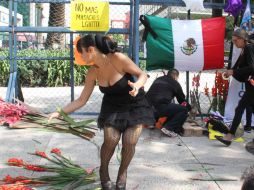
point(20, 115)
point(68, 175)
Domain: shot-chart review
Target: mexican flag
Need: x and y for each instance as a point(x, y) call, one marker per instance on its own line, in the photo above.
point(187, 45)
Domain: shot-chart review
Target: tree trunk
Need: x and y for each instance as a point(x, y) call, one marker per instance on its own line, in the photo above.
point(217, 12)
point(56, 19)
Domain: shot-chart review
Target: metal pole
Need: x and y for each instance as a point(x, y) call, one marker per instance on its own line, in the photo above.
point(15, 70)
point(187, 72)
point(9, 88)
point(131, 30)
point(136, 32)
point(72, 67)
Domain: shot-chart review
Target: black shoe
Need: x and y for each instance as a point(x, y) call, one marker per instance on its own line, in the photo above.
point(121, 181)
point(106, 185)
point(120, 186)
point(247, 128)
point(226, 142)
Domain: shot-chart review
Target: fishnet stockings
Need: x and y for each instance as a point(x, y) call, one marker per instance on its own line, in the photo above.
point(111, 138)
point(129, 140)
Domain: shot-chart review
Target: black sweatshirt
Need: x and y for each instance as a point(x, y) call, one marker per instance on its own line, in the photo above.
point(163, 90)
point(244, 68)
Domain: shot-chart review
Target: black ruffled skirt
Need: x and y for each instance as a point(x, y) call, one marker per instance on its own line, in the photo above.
point(123, 112)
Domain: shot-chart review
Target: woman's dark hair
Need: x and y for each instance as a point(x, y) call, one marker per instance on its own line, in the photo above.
point(104, 44)
point(241, 33)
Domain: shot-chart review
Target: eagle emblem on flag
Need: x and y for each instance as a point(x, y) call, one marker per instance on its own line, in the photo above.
point(189, 46)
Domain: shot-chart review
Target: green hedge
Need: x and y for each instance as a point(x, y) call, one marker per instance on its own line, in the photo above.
point(4, 68)
point(42, 73)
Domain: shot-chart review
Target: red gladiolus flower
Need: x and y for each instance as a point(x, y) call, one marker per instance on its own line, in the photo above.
point(206, 89)
point(56, 151)
point(8, 179)
point(89, 170)
point(11, 113)
point(41, 154)
point(35, 168)
point(4, 187)
point(21, 178)
point(214, 92)
point(14, 187)
point(15, 162)
point(195, 81)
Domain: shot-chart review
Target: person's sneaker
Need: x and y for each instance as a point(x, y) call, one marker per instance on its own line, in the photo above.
point(168, 132)
point(150, 126)
point(247, 128)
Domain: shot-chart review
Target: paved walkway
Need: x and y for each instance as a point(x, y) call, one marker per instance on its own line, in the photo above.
point(160, 163)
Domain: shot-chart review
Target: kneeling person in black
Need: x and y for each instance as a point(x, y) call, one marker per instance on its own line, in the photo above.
point(160, 95)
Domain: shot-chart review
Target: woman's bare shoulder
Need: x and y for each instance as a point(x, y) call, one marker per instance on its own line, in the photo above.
point(119, 56)
point(121, 59)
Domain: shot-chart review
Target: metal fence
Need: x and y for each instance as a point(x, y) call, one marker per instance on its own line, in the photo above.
point(36, 41)
point(29, 27)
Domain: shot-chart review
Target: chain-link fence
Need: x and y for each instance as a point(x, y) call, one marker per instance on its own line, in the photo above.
point(44, 57)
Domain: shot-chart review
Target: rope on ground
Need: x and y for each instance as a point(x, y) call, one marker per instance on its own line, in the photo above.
point(202, 164)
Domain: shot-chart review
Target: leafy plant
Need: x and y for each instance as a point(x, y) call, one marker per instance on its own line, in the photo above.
point(49, 73)
point(4, 68)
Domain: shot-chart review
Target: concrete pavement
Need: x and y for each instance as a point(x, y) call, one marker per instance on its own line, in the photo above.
point(160, 163)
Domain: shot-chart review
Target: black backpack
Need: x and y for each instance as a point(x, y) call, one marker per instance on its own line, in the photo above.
point(217, 125)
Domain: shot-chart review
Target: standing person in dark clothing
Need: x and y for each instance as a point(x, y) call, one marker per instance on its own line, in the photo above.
point(243, 72)
point(161, 94)
point(249, 113)
point(249, 110)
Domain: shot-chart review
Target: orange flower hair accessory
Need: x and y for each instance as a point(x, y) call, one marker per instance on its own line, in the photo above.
point(77, 56)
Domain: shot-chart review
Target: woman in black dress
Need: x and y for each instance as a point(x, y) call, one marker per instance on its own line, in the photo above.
point(124, 109)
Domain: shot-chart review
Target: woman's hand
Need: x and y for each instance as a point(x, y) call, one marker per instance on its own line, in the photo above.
point(251, 82)
point(134, 90)
point(53, 115)
point(229, 73)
